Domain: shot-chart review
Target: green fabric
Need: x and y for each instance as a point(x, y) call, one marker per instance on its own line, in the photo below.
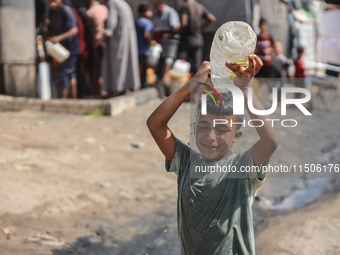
point(214, 210)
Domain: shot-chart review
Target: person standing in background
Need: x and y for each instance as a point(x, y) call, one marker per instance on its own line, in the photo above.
point(41, 15)
point(166, 25)
point(280, 62)
point(83, 53)
point(300, 71)
point(97, 14)
point(195, 18)
point(64, 29)
point(120, 61)
point(144, 29)
point(264, 49)
point(280, 66)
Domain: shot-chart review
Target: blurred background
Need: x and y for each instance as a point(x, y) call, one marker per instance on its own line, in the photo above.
point(311, 24)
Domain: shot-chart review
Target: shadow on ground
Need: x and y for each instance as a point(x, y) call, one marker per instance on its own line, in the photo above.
point(161, 241)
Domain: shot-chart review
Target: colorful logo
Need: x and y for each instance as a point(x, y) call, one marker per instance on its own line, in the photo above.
point(209, 93)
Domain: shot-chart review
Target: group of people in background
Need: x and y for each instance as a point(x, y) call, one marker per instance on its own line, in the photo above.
point(81, 32)
point(109, 49)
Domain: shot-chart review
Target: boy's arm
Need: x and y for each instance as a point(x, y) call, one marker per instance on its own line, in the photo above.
point(148, 34)
point(268, 142)
point(158, 120)
point(69, 33)
point(209, 20)
point(184, 21)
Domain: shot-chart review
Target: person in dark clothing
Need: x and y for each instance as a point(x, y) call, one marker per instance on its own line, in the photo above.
point(41, 16)
point(83, 53)
point(144, 28)
point(264, 49)
point(97, 15)
point(41, 11)
point(195, 18)
point(64, 29)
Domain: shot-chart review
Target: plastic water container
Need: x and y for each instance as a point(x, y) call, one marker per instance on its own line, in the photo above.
point(177, 81)
point(179, 74)
point(181, 68)
point(170, 47)
point(233, 42)
point(150, 76)
point(40, 47)
point(57, 51)
point(154, 54)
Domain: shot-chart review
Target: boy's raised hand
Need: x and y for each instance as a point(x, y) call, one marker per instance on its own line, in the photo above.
point(268, 142)
point(204, 71)
point(245, 74)
point(158, 120)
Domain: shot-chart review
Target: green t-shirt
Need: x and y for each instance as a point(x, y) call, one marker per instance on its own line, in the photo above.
point(214, 210)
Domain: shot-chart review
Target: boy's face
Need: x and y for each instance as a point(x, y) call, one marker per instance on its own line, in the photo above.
point(216, 142)
point(55, 4)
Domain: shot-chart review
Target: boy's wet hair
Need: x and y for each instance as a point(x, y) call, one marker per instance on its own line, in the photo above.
point(226, 109)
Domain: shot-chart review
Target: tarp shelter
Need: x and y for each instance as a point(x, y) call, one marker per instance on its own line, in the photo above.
point(329, 35)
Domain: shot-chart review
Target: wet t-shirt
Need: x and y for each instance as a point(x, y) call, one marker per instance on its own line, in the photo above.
point(214, 210)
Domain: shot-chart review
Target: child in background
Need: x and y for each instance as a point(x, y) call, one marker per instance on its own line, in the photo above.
point(280, 66)
point(264, 49)
point(144, 28)
point(214, 210)
point(64, 29)
point(300, 71)
point(280, 61)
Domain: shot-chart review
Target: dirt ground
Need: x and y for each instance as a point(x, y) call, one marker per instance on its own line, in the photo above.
point(79, 185)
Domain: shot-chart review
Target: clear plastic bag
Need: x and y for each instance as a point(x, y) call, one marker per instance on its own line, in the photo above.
point(233, 42)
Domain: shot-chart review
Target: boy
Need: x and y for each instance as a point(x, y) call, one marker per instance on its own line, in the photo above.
point(144, 29)
point(280, 61)
point(214, 211)
point(64, 28)
point(280, 67)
